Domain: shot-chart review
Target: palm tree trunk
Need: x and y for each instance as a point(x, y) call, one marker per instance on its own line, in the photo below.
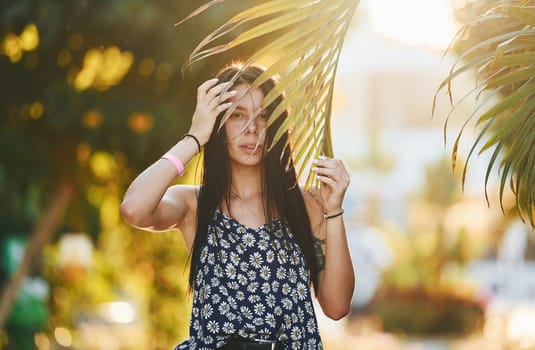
point(42, 235)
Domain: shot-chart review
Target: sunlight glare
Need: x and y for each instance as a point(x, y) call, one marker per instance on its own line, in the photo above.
point(121, 312)
point(520, 325)
point(427, 23)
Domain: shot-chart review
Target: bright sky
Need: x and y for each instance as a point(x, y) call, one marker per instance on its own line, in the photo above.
point(427, 23)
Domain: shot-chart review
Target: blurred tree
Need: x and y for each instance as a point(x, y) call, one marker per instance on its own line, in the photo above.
point(90, 94)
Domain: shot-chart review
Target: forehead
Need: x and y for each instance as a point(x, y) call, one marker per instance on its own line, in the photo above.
point(247, 99)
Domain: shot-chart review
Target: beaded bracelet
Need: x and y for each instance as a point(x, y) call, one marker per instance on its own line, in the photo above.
point(327, 216)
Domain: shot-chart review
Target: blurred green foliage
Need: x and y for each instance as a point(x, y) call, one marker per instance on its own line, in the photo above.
point(424, 291)
point(91, 92)
point(416, 312)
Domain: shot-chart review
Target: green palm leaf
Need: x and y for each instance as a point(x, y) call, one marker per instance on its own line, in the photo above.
point(505, 66)
point(310, 35)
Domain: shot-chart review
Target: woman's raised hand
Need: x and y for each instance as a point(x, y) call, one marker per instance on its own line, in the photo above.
point(334, 180)
point(211, 100)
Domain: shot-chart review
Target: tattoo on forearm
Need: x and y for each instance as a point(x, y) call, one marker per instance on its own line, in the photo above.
point(318, 251)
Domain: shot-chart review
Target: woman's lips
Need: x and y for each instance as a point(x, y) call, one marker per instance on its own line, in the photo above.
point(251, 148)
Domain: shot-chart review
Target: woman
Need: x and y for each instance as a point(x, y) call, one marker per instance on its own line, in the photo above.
point(257, 241)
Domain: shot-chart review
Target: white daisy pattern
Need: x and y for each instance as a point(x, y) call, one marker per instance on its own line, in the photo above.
point(251, 282)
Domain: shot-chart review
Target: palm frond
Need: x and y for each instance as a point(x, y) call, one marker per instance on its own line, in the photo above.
point(310, 34)
point(505, 66)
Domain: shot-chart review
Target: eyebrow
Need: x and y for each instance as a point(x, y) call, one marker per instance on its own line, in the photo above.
point(242, 109)
point(239, 108)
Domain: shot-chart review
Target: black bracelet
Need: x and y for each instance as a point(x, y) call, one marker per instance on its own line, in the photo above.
point(196, 140)
point(327, 216)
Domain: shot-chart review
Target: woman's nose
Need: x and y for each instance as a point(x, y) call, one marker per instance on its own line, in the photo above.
point(252, 126)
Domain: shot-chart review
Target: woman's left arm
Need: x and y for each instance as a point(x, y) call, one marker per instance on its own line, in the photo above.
point(337, 278)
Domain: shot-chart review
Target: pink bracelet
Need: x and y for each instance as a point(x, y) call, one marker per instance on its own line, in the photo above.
point(176, 162)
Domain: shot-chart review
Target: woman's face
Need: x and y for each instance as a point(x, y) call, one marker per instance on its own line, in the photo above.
point(245, 137)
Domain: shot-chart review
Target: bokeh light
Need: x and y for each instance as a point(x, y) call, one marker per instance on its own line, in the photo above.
point(83, 152)
point(103, 68)
point(92, 119)
point(76, 41)
point(29, 39)
point(119, 312)
point(102, 165)
point(41, 341)
point(140, 122)
point(63, 336)
point(36, 110)
point(13, 45)
point(146, 66)
point(64, 58)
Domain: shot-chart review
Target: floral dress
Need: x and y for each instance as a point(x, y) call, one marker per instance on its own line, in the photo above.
point(252, 283)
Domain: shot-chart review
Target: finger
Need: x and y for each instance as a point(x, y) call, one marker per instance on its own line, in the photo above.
point(329, 172)
point(340, 177)
point(326, 180)
point(201, 90)
point(325, 162)
point(223, 107)
point(228, 95)
point(214, 103)
point(338, 173)
point(216, 90)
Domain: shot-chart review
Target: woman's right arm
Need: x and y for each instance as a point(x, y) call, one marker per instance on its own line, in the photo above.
point(150, 203)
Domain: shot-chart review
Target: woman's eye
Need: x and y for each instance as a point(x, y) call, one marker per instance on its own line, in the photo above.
point(237, 115)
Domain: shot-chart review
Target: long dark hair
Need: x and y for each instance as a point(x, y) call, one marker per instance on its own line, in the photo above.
point(279, 180)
